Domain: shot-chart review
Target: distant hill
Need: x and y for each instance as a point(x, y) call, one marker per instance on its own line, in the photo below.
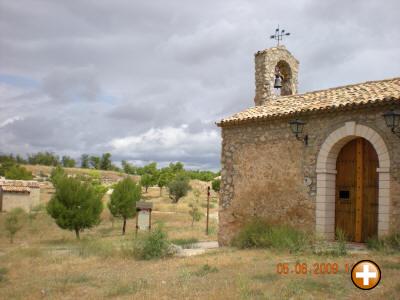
point(107, 177)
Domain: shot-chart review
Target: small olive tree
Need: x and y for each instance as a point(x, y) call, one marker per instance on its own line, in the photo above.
point(146, 180)
point(123, 200)
point(195, 213)
point(178, 189)
point(14, 222)
point(162, 181)
point(76, 205)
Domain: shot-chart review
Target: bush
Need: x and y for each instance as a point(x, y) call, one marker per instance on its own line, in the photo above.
point(14, 222)
point(195, 213)
point(260, 234)
point(216, 185)
point(17, 172)
point(390, 243)
point(75, 205)
point(178, 189)
point(152, 245)
point(341, 240)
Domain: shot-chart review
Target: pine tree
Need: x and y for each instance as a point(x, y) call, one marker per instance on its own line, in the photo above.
point(75, 205)
point(123, 200)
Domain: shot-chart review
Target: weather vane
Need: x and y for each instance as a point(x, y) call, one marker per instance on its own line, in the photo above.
point(279, 35)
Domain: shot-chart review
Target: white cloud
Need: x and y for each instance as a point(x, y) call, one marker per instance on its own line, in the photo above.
point(10, 121)
point(168, 141)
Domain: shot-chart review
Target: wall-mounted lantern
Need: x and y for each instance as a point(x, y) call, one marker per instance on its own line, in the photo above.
point(297, 127)
point(392, 119)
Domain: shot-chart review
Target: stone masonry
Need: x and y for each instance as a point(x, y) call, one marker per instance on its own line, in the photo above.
point(265, 63)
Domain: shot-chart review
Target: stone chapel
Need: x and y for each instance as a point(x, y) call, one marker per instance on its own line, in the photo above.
point(319, 161)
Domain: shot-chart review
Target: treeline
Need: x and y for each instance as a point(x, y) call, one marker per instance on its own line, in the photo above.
point(152, 174)
point(171, 170)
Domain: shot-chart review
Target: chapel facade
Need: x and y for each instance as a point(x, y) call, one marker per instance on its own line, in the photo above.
point(320, 161)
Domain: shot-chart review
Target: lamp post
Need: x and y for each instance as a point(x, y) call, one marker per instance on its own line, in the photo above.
point(392, 120)
point(297, 127)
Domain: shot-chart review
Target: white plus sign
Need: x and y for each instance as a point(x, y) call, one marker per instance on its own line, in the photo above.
point(365, 275)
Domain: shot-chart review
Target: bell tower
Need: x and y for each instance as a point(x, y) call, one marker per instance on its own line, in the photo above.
point(273, 66)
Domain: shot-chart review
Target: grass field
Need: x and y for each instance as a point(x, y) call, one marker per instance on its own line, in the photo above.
point(46, 262)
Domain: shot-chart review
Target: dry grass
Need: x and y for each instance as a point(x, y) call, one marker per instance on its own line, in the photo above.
point(47, 262)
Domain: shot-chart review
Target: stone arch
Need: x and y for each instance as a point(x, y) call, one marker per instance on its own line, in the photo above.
point(326, 177)
point(286, 74)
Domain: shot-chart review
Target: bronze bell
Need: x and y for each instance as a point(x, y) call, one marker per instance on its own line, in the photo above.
point(278, 82)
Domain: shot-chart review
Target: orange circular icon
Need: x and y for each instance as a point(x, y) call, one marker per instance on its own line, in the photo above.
point(366, 274)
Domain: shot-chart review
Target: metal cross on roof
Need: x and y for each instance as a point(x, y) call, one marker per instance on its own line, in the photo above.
point(279, 34)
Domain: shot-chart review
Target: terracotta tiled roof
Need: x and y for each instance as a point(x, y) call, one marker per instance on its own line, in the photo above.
point(371, 92)
point(15, 189)
point(19, 183)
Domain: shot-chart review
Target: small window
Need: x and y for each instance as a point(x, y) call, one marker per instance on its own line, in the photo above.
point(345, 195)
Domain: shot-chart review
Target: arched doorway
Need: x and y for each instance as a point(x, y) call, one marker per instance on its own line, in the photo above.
point(356, 200)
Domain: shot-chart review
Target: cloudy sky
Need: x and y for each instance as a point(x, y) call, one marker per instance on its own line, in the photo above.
point(146, 80)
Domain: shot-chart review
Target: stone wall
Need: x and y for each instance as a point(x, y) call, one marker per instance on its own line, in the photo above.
point(264, 167)
point(265, 63)
point(25, 201)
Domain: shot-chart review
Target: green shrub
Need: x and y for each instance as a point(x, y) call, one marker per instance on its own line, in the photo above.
point(16, 172)
point(14, 222)
point(260, 234)
point(390, 243)
point(151, 245)
point(178, 189)
point(341, 240)
point(195, 214)
point(216, 185)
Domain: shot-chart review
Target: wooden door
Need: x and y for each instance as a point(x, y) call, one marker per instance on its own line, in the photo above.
point(356, 205)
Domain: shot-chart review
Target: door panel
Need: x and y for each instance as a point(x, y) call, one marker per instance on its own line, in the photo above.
point(357, 188)
point(345, 189)
point(370, 192)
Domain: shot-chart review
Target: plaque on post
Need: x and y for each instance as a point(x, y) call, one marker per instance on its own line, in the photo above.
point(143, 219)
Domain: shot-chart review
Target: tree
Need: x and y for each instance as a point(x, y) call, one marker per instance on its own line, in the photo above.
point(177, 167)
point(123, 200)
point(150, 169)
point(44, 158)
point(146, 180)
point(56, 174)
point(128, 168)
point(17, 172)
point(162, 181)
point(75, 205)
point(105, 162)
point(216, 185)
point(68, 162)
point(195, 213)
point(14, 222)
point(95, 162)
point(85, 161)
point(178, 189)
